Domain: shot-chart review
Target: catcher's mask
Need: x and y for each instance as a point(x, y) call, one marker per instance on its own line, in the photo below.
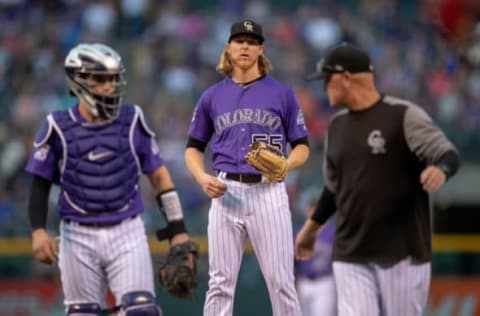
point(90, 65)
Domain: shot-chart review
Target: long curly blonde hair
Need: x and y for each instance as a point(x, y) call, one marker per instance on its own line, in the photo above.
point(225, 64)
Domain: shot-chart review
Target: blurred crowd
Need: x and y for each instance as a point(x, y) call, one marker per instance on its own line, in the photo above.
point(171, 48)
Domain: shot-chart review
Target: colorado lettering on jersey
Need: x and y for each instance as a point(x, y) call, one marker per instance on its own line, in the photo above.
point(242, 116)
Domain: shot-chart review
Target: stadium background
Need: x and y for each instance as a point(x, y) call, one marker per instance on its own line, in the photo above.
point(424, 52)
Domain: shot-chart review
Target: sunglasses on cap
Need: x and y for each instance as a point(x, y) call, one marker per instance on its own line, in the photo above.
point(328, 72)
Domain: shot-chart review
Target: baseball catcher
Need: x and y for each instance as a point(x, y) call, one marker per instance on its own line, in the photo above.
point(268, 160)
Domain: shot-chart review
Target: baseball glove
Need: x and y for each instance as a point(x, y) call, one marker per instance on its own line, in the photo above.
point(268, 160)
point(177, 275)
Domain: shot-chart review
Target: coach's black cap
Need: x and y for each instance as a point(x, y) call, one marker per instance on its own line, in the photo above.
point(342, 58)
point(247, 27)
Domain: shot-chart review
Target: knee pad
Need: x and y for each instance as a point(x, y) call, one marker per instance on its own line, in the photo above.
point(140, 303)
point(85, 309)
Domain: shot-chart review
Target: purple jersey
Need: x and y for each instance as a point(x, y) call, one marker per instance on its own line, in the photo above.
point(233, 116)
point(53, 153)
point(320, 264)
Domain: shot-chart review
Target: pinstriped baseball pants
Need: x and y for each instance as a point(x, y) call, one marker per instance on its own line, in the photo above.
point(92, 259)
point(261, 213)
point(400, 289)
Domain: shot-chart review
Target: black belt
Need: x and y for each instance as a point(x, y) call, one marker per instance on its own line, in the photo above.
point(99, 225)
point(244, 178)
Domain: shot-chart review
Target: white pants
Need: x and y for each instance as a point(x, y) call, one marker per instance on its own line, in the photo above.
point(371, 289)
point(318, 297)
point(93, 259)
point(261, 213)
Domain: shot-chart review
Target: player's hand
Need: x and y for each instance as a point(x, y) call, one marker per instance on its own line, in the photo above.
point(45, 249)
point(180, 239)
point(213, 187)
point(178, 274)
point(432, 178)
point(305, 240)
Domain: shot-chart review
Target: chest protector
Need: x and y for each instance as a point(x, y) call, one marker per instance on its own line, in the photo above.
point(100, 171)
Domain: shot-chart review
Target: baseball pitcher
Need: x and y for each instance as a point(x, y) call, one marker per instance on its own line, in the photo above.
point(249, 118)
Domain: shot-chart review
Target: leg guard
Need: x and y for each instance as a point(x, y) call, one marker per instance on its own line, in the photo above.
point(140, 303)
point(86, 309)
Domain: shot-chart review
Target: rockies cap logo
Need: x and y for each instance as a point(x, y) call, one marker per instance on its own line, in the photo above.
point(248, 26)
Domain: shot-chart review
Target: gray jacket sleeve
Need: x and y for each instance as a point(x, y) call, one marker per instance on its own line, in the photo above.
point(423, 137)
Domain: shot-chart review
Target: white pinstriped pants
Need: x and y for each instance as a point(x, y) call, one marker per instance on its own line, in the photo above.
point(92, 259)
point(318, 297)
point(261, 213)
point(372, 289)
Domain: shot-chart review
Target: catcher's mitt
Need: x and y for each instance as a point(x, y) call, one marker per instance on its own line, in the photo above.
point(268, 160)
point(178, 275)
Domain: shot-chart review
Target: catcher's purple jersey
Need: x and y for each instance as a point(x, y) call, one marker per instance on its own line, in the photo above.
point(233, 116)
point(93, 172)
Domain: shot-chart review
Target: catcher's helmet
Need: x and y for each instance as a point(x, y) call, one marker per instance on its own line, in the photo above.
point(102, 63)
